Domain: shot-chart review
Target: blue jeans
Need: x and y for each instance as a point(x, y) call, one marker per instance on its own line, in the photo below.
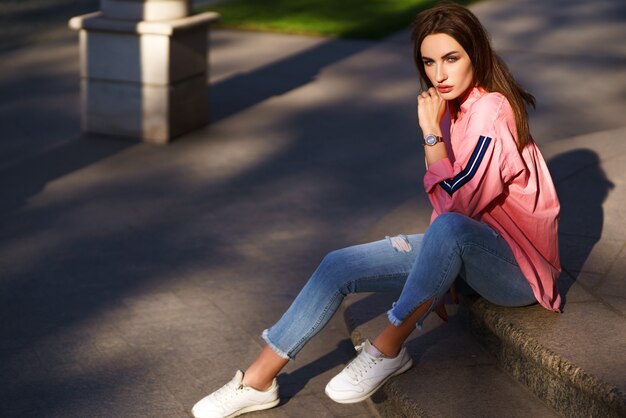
point(422, 267)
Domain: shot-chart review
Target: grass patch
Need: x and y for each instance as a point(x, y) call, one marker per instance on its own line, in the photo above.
point(368, 19)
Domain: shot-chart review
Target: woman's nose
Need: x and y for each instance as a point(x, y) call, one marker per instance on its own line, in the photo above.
point(440, 75)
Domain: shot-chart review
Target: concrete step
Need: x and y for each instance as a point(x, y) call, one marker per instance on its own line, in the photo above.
point(574, 361)
point(452, 376)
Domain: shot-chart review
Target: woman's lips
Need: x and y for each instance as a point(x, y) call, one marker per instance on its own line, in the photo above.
point(444, 89)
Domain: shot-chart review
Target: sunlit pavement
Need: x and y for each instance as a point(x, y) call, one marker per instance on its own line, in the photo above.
point(136, 279)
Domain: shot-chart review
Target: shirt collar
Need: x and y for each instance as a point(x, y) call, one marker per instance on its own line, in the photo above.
point(475, 94)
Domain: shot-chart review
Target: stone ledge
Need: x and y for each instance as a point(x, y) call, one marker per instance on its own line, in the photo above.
point(559, 382)
point(96, 21)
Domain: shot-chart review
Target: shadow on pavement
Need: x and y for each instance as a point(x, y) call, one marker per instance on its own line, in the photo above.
point(81, 251)
point(235, 94)
point(23, 22)
point(582, 186)
point(21, 181)
point(294, 382)
point(80, 256)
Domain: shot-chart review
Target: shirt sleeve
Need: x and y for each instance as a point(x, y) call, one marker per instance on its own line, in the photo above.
point(482, 166)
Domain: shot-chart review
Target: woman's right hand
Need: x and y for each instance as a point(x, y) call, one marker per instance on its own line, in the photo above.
point(430, 111)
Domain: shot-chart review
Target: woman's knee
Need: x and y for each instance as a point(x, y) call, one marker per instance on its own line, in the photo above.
point(449, 224)
point(332, 269)
point(331, 259)
point(460, 230)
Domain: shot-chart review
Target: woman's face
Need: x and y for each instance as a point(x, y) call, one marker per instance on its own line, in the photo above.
point(447, 65)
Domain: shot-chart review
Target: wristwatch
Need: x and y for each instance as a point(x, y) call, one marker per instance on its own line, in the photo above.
point(431, 140)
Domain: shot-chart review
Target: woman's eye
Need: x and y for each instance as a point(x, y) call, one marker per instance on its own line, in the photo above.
point(428, 62)
point(452, 59)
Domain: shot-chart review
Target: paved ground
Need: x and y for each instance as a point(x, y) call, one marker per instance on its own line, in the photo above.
point(134, 279)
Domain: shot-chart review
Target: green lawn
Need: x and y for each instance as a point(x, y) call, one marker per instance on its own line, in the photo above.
point(370, 19)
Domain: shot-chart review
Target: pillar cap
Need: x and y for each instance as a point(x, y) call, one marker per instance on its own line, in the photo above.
point(96, 21)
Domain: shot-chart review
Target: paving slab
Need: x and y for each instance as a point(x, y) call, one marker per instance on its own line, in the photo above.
point(101, 304)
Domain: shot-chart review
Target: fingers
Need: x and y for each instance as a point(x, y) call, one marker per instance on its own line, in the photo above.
point(453, 293)
point(430, 108)
point(431, 92)
point(440, 310)
point(431, 95)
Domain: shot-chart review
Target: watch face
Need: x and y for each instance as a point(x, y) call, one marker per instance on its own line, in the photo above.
point(430, 139)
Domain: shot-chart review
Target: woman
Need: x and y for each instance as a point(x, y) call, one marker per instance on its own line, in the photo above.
point(494, 222)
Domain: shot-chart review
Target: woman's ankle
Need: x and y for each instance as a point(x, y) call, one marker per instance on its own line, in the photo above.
point(256, 383)
point(387, 350)
point(261, 373)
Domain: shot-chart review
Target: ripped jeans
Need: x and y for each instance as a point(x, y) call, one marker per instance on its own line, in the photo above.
point(421, 267)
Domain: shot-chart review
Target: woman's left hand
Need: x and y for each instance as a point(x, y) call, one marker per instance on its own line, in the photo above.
point(440, 309)
point(430, 110)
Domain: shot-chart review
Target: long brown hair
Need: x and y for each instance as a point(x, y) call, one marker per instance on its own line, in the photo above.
point(490, 72)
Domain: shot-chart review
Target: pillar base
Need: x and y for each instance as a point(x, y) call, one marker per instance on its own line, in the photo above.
point(152, 113)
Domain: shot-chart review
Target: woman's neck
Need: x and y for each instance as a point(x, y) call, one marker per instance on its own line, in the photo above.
point(455, 108)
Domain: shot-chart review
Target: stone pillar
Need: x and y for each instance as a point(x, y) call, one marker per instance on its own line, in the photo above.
point(143, 68)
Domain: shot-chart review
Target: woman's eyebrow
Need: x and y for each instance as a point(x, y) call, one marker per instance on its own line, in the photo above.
point(424, 57)
point(449, 53)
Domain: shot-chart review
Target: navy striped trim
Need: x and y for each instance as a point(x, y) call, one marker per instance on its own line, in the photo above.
point(454, 184)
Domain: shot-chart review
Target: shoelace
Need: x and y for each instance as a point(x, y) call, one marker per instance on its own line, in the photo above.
point(228, 391)
point(361, 364)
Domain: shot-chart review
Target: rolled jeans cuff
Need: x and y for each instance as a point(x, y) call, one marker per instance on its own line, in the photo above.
point(392, 317)
point(396, 321)
point(270, 344)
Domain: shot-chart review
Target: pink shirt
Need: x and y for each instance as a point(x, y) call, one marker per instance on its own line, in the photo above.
point(486, 178)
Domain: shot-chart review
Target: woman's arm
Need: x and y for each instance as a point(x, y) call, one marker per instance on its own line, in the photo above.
point(484, 152)
point(430, 110)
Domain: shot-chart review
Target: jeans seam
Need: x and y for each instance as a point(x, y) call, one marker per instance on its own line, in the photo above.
point(308, 334)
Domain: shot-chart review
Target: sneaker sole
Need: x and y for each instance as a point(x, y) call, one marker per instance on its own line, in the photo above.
point(255, 408)
point(406, 366)
point(251, 408)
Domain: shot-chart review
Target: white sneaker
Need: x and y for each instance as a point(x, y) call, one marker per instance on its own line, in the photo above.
point(234, 398)
point(365, 375)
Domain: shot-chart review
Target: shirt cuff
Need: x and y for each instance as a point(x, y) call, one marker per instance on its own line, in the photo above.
point(437, 172)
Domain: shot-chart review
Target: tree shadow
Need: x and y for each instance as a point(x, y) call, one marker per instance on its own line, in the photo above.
point(27, 21)
point(198, 221)
point(80, 251)
point(27, 178)
point(242, 91)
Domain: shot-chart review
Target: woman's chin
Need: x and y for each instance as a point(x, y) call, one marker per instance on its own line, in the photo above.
point(450, 95)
